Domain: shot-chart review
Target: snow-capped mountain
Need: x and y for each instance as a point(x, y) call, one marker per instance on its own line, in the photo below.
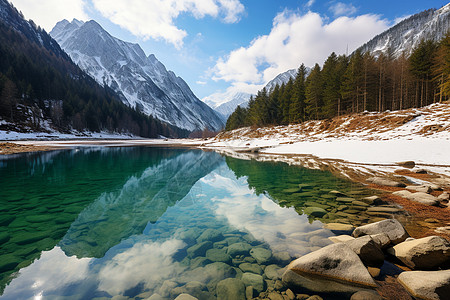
point(226, 103)
point(142, 82)
point(403, 37)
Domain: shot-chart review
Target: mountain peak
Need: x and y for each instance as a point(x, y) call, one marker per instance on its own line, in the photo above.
point(143, 82)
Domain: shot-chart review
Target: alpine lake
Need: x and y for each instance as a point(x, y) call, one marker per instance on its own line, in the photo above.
point(142, 222)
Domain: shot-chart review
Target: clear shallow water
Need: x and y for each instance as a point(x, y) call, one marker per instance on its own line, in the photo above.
point(81, 224)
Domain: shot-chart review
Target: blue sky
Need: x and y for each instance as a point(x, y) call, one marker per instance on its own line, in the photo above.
point(234, 45)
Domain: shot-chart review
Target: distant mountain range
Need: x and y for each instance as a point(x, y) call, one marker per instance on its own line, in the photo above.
point(431, 24)
point(142, 82)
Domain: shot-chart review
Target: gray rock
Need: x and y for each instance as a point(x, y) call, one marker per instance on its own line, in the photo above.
point(230, 289)
point(238, 249)
point(420, 188)
point(272, 272)
point(423, 254)
point(185, 297)
point(314, 211)
point(218, 255)
point(211, 235)
point(199, 249)
point(261, 255)
point(433, 285)
point(254, 280)
point(366, 295)
point(386, 182)
point(394, 230)
point(335, 264)
point(419, 197)
point(252, 268)
point(368, 251)
point(382, 239)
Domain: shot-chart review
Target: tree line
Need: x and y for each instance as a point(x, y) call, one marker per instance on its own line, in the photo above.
point(352, 84)
point(38, 84)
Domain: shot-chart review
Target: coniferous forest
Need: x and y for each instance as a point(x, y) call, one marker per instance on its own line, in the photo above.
point(353, 84)
point(39, 82)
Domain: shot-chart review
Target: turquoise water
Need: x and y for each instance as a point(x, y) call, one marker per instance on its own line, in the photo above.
point(100, 222)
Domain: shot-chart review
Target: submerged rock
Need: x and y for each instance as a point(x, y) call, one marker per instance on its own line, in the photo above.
point(261, 255)
point(254, 280)
point(339, 228)
point(425, 253)
point(334, 265)
point(394, 230)
point(230, 289)
point(341, 238)
point(430, 285)
point(315, 211)
point(239, 249)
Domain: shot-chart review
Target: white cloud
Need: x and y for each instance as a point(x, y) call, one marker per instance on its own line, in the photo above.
point(47, 13)
point(294, 39)
point(342, 9)
point(200, 82)
point(156, 18)
point(310, 3)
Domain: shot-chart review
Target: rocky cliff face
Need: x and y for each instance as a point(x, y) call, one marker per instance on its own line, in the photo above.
point(142, 82)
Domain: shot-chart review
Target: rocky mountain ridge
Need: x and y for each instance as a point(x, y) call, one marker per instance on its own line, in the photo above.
point(142, 82)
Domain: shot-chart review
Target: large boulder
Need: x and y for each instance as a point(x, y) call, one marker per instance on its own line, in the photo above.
point(430, 285)
point(368, 251)
point(423, 254)
point(394, 230)
point(336, 268)
point(230, 289)
point(386, 182)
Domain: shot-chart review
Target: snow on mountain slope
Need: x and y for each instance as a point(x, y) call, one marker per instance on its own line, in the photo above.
point(226, 103)
point(403, 37)
point(143, 82)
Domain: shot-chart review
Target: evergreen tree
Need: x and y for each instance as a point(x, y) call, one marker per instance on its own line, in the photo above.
point(297, 103)
point(314, 89)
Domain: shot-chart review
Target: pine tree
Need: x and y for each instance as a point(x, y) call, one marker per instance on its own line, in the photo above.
point(314, 89)
point(297, 105)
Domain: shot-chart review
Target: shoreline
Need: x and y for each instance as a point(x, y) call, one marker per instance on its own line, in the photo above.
point(353, 171)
